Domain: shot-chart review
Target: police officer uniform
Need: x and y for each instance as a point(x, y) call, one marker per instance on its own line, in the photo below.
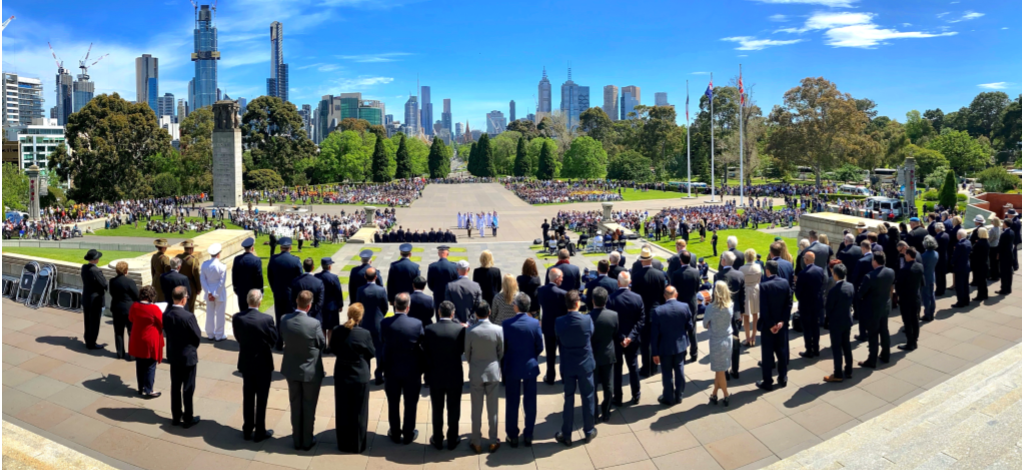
point(247, 274)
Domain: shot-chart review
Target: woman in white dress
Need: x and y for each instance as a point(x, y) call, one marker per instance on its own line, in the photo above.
point(753, 274)
point(717, 321)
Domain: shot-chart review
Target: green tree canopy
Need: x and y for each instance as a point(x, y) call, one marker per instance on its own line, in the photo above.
point(263, 180)
point(380, 163)
point(585, 159)
point(194, 168)
point(504, 146)
point(522, 164)
point(439, 159)
point(547, 169)
point(345, 156)
point(916, 127)
point(962, 152)
point(274, 132)
point(15, 191)
point(927, 160)
point(404, 161)
point(631, 166)
point(353, 124)
point(595, 123)
point(166, 185)
point(949, 191)
point(525, 127)
point(484, 158)
point(996, 179)
point(985, 112)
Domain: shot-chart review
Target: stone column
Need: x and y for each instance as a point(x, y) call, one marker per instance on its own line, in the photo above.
point(370, 216)
point(608, 207)
point(910, 184)
point(35, 182)
point(227, 186)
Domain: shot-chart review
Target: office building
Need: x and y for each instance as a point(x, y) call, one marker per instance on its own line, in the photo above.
point(543, 106)
point(476, 134)
point(426, 111)
point(660, 99)
point(37, 139)
point(22, 99)
point(306, 114)
point(511, 115)
point(64, 95)
point(393, 128)
point(446, 118)
point(206, 55)
point(165, 106)
point(387, 119)
point(333, 109)
point(372, 111)
point(147, 78)
point(83, 90)
point(277, 84)
point(182, 109)
point(530, 117)
point(495, 122)
point(173, 128)
point(457, 130)
point(610, 102)
point(411, 127)
point(630, 98)
point(574, 100)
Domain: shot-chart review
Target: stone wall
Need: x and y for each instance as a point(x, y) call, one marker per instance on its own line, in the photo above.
point(833, 224)
point(227, 185)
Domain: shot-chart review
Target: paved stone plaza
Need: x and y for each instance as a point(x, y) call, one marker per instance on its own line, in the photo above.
point(87, 400)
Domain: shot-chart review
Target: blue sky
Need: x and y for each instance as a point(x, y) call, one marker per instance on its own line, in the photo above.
point(903, 54)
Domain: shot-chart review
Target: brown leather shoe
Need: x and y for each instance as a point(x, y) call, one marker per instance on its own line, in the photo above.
point(494, 447)
point(476, 448)
point(833, 379)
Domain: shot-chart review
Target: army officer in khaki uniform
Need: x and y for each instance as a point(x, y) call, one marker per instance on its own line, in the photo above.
point(159, 265)
point(190, 268)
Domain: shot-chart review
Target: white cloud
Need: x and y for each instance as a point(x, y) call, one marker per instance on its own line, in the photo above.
point(372, 58)
point(941, 15)
point(749, 43)
point(1005, 27)
point(826, 20)
point(826, 3)
point(969, 15)
point(854, 29)
point(905, 25)
point(700, 73)
point(994, 85)
point(778, 18)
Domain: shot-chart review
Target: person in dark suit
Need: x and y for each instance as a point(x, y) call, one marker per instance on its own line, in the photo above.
point(402, 346)
point(523, 343)
point(849, 254)
point(440, 273)
point(616, 267)
point(443, 344)
point(357, 275)
point(183, 337)
point(601, 280)
point(631, 318)
point(943, 258)
point(1005, 251)
point(732, 246)
point(123, 293)
point(908, 283)
point(605, 327)
point(353, 347)
point(774, 315)
point(674, 262)
point(373, 298)
point(173, 278)
point(422, 304)
point(784, 268)
point(669, 341)
point(309, 282)
point(302, 366)
point(402, 273)
point(464, 293)
point(572, 279)
point(686, 281)
point(333, 297)
point(528, 283)
point(961, 267)
point(839, 318)
point(94, 286)
point(809, 288)
point(487, 276)
point(574, 336)
point(256, 336)
point(649, 283)
point(916, 235)
point(247, 273)
point(551, 300)
point(875, 298)
point(281, 271)
point(862, 267)
point(980, 262)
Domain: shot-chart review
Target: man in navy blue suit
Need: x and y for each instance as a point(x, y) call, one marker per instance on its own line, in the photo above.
point(440, 273)
point(402, 342)
point(839, 318)
point(572, 278)
point(774, 315)
point(686, 281)
point(333, 295)
point(373, 298)
point(402, 273)
point(308, 281)
point(281, 271)
point(857, 274)
point(875, 299)
point(246, 275)
point(784, 268)
point(809, 289)
point(574, 335)
point(669, 342)
point(422, 304)
point(357, 275)
point(523, 343)
point(551, 301)
point(602, 280)
point(960, 263)
point(631, 317)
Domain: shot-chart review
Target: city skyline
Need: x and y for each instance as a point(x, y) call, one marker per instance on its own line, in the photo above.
point(954, 51)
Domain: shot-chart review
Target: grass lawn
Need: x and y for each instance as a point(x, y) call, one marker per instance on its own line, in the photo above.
point(637, 195)
point(69, 255)
point(129, 230)
point(263, 251)
point(747, 238)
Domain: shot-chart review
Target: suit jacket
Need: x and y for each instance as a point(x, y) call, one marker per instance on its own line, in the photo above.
point(774, 303)
point(281, 271)
point(686, 281)
point(735, 283)
point(171, 280)
point(849, 257)
point(123, 293)
point(605, 325)
point(444, 343)
point(908, 282)
point(1005, 248)
point(465, 294)
point(785, 271)
point(552, 302)
point(960, 260)
point(489, 281)
point(674, 264)
point(484, 349)
point(357, 279)
point(439, 274)
point(402, 346)
point(572, 279)
point(374, 300)
point(311, 283)
point(399, 278)
point(671, 323)
point(822, 253)
point(523, 343)
point(875, 295)
point(183, 336)
point(809, 289)
point(630, 314)
point(247, 274)
point(422, 308)
point(839, 306)
point(333, 294)
point(915, 238)
point(256, 335)
point(304, 343)
point(862, 268)
point(601, 281)
point(353, 348)
point(649, 283)
point(574, 336)
point(739, 260)
point(614, 271)
point(94, 286)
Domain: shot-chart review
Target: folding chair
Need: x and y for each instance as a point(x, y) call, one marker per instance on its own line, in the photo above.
point(10, 286)
point(42, 287)
point(28, 277)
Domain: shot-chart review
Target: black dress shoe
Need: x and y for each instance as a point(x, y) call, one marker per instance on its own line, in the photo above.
point(151, 395)
point(635, 399)
point(513, 442)
point(453, 443)
point(663, 401)
point(548, 380)
point(190, 422)
point(379, 381)
point(764, 386)
point(559, 437)
point(437, 443)
point(869, 365)
point(605, 417)
point(860, 338)
point(905, 347)
point(592, 435)
point(407, 440)
point(268, 434)
point(311, 444)
point(247, 436)
point(395, 438)
point(805, 355)
point(527, 442)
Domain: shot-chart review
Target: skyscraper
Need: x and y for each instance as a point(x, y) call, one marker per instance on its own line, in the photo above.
point(445, 117)
point(205, 56)
point(457, 130)
point(610, 101)
point(574, 100)
point(22, 100)
point(242, 105)
point(495, 122)
point(543, 106)
point(147, 76)
point(412, 116)
point(511, 115)
point(165, 105)
point(660, 98)
point(65, 95)
point(427, 111)
point(182, 110)
point(83, 90)
point(276, 85)
point(387, 119)
point(306, 114)
point(630, 98)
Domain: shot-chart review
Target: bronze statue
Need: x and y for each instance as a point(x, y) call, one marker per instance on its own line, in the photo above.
point(225, 115)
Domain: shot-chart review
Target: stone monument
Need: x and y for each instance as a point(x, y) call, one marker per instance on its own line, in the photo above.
point(910, 184)
point(370, 212)
point(227, 186)
point(35, 187)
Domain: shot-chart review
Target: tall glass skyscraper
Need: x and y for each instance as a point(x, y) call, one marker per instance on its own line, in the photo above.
point(205, 56)
point(83, 92)
point(630, 98)
point(65, 95)
point(544, 105)
point(412, 116)
point(574, 100)
point(276, 85)
point(427, 111)
point(445, 118)
point(147, 76)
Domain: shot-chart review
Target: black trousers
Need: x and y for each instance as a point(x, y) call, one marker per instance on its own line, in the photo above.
point(603, 376)
point(962, 287)
point(145, 374)
point(550, 347)
point(255, 393)
point(736, 353)
point(396, 388)
point(841, 347)
point(910, 317)
point(626, 356)
point(1006, 276)
point(995, 269)
point(775, 354)
point(120, 324)
point(243, 301)
point(449, 395)
point(280, 309)
point(941, 279)
point(92, 315)
point(351, 405)
point(810, 331)
point(861, 316)
point(980, 278)
point(182, 388)
point(693, 342)
point(879, 340)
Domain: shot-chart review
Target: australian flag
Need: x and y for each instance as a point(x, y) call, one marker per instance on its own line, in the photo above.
point(709, 90)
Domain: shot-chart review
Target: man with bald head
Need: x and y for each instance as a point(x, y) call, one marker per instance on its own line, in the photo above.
point(671, 323)
point(551, 300)
point(809, 287)
point(373, 298)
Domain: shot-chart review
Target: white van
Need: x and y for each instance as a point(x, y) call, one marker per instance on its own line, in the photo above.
point(889, 208)
point(853, 189)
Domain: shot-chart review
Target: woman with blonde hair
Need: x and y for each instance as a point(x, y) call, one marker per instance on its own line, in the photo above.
point(717, 320)
point(353, 347)
point(487, 276)
point(753, 272)
point(994, 239)
point(785, 254)
point(503, 303)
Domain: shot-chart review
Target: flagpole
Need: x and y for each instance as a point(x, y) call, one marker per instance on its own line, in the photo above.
point(741, 139)
point(713, 178)
point(688, 140)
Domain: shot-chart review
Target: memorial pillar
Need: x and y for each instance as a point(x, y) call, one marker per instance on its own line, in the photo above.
point(34, 191)
point(370, 216)
point(227, 185)
point(910, 184)
point(608, 207)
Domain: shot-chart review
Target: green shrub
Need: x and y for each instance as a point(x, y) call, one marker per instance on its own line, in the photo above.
point(948, 190)
point(961, 197)
point(931, 195)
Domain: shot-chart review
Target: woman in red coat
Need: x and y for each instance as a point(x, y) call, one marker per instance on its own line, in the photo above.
point(146, 343)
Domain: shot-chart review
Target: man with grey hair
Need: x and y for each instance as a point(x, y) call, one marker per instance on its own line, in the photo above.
point(631, 318)
point(929, 259)
point(173, 278)
point(256, 335)
point(615, 264)
point(523, 343)
point(464, 293)
point(732, 246)
point(551, 301)
point(850, 253)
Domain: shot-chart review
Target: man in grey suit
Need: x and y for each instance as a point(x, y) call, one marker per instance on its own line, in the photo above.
point(484, 349)
point(464, 293)
point(605, 326)
point(821, 251)
point(302, 366)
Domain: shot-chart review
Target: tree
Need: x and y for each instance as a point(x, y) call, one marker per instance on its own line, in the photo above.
point(927, 160)
point(473, 160)
point(936, 118)
point(404, 161)
point(1009, 132)
point(545, 127)
point(656, 127)
point(963, 153)
point(595, 123)
point(985, 112)
point(165, 185)
point(817, 126)
point(194, 170)
point(345, 156)
point(274, 132)
point(848, 172)
point(630, 166)
point(439, 162)
point(547, 161)
point(523, 166)
point(380, 171)
point(585, 159)
point(916, 128)
point(484, 158)
point(263, 180)
point(526, 127)
point(949, 191)
point(353, 124)
point(109, 145)
point(503, 147)
point(15, 190)
point(996, 179)
point(936, 178)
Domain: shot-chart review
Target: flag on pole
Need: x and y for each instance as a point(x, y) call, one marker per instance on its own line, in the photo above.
point(686, 105)
point(709, 90)
point(741, 90)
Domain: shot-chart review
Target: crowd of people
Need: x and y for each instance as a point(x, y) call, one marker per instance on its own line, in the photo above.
point(481, 222)
point(400, 235)
point(45, 228)
point(311, 227)
point(399, 193)
point(553, 192)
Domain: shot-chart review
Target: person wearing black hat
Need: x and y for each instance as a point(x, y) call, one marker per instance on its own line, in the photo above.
point(281, 272)
point(357, 275)
point(402, 273)
point(94, 286)
point(333, 297)
point(308, 281)
point(247, 273)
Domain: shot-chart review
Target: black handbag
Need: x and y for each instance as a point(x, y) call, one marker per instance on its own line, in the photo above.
point(796, 322)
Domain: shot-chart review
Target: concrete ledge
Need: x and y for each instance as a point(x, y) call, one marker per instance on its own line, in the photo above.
point(81, 245)
point(26, 450)
point(363, 235)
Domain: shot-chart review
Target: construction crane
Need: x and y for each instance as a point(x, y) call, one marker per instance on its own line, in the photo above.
point(85, 68)
point(6, 22)
point(60, 63)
